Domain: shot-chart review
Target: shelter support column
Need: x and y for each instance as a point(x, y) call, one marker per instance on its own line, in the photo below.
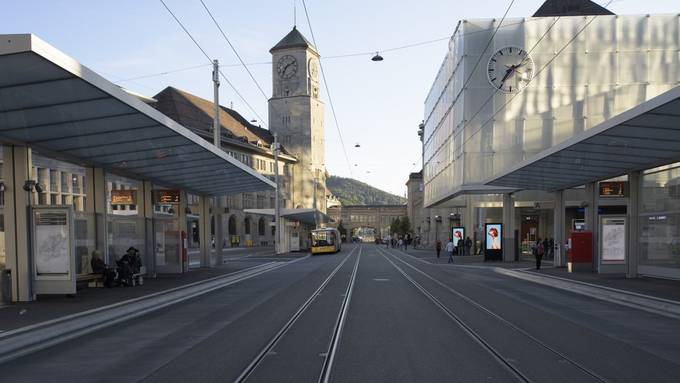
point(635, 184)
point(508, 228)
point(204, 231)
point(220, 203)
point(149, 247)
point(17, 165)
point(560, 258)
point(95, 190)
point(469, 219)
point(592, 219)
point(182, 216)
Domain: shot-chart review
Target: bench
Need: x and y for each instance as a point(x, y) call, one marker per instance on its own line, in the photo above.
point(89, 279)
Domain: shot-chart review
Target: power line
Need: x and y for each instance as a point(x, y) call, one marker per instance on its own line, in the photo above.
point(161, 73)
point(211, 61)
point(330, 100)
point(234, 50)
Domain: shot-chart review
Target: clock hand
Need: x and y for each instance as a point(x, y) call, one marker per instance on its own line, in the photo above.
point(508, 73)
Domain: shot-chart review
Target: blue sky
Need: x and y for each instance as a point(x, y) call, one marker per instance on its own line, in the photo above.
point(378, 105)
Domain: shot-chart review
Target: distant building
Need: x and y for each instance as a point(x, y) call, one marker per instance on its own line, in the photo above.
point(375, 217)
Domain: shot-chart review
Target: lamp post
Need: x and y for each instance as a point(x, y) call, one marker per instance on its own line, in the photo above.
point(277, 204)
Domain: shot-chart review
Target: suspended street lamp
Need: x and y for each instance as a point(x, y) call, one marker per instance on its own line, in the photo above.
point(377, 57)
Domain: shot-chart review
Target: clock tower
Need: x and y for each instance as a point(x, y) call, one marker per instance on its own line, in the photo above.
point(296, 115)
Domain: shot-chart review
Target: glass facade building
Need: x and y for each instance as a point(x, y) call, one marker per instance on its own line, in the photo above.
point(586, 70)
point(577, 75)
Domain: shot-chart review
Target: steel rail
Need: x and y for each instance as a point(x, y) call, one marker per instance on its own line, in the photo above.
point(325, 375)
point(467, 329)
point(252, 366)
point(479, 306)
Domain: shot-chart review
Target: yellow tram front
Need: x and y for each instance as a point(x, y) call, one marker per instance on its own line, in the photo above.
point(325, 241)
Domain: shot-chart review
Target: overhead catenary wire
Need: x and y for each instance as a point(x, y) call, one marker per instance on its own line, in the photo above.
point(339, 56)
point(211, 61)
point(330, 100)
point(257, 84)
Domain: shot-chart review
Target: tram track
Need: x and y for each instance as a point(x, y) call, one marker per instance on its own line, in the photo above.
point(497, 354)
point(324, 376)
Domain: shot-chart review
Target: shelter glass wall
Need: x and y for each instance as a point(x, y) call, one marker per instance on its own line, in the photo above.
point(193, 230)
point(63, 184)
point(660, 218)
point(125, 224)
point(166, 234)
point(3, 253)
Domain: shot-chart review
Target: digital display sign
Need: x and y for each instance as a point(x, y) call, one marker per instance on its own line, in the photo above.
point(166, 196)
point(123, 197)
point(457, 233)
point(613, 189)
point(494, 235)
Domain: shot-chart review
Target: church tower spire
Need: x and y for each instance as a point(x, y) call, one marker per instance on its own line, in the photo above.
point(296, 114)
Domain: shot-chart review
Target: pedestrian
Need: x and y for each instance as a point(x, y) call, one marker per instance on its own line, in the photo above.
point(438, 247)
point(546, 247)
point(461, 246)
point(408, 238)
point(387, 243)
point(540, 250)
point(400, 243)
point(449, 249)
point(468, 246)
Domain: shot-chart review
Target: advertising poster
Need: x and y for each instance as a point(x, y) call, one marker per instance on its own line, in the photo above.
point(52, 254)
point(494, 235)
point(614, 240)
point(457, 233)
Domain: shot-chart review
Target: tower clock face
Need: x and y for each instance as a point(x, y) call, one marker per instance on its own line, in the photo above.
point(313, 69)
point(510, 69)
point(287, 66)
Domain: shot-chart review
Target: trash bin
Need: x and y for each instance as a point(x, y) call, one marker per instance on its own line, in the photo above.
point(6, 287)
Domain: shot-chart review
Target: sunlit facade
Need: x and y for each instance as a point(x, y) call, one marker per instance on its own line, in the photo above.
point(474, 132)
point(485, 115)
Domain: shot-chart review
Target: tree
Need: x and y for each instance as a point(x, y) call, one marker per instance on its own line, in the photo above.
point(404, 226)
point(395, 226)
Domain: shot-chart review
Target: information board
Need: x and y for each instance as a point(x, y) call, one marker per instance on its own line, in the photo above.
point(166, 196)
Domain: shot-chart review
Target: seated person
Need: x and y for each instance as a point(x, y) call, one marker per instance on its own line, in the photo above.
point(97, 263)
point(129, 265)
point(100, 267)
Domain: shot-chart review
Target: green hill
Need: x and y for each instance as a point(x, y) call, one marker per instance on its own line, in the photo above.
point(352, 192)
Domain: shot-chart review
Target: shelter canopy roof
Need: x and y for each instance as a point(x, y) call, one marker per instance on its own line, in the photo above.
point(51, 102)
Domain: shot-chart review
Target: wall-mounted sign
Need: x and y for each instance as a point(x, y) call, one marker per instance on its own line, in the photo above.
point(613, 189)
point(166, 196)
point(123, 197)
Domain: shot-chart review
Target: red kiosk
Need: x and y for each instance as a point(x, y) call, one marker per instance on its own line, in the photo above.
point(580, 254)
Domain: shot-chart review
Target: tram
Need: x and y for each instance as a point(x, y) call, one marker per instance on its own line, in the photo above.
point(326, 240)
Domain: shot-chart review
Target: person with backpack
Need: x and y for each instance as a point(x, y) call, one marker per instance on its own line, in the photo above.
point(449, 249)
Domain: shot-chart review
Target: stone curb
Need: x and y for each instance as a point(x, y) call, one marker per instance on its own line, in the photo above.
point(26, 340)
point(665, 307)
